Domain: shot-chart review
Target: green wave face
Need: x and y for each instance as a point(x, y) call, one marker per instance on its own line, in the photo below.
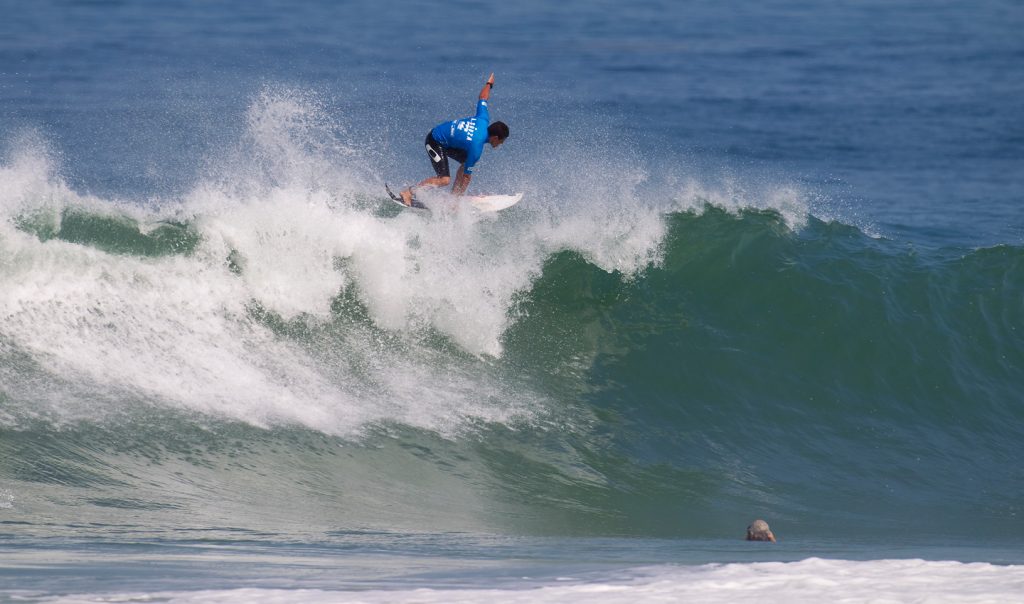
point(816, 376)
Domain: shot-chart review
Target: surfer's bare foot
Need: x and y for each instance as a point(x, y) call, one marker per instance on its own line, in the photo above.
point(407, 197)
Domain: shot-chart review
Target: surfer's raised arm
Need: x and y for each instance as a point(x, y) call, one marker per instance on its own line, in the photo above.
point(464, 175)
point(485, 92)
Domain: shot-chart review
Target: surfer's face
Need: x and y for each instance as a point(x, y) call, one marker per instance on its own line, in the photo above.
point(495, 141)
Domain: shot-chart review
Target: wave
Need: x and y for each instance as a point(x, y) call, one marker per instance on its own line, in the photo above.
point(600, 359)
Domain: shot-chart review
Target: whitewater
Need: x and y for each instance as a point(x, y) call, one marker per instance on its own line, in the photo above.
point(808, 581)
point(156, 297)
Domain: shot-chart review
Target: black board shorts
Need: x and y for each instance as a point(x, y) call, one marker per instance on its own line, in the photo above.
point(439, 155)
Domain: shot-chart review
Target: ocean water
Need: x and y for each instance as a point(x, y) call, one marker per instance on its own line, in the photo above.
point(769, 264)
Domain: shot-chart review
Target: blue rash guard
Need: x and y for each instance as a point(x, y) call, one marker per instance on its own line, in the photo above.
point(468, 134)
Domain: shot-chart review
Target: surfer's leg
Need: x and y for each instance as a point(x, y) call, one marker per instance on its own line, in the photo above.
point(439, 161)
point(436, 181)
point(438, 156)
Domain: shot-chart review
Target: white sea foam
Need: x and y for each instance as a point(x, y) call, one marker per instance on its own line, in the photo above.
point(810, 581)
point(176, 330)
point(284, 224)
point(735, 195)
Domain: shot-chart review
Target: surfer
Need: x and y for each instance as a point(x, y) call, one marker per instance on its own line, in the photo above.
point(462, 140)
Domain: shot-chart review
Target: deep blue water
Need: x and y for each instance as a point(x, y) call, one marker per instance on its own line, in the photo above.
point(769, 263)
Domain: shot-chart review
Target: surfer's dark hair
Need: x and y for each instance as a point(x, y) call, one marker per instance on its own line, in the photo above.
point(499, 129)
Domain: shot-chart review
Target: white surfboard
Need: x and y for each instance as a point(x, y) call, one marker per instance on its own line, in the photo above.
point(493, 203)
point(482, 203)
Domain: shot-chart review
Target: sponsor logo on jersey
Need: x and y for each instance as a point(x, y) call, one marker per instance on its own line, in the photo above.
point(467, 126)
